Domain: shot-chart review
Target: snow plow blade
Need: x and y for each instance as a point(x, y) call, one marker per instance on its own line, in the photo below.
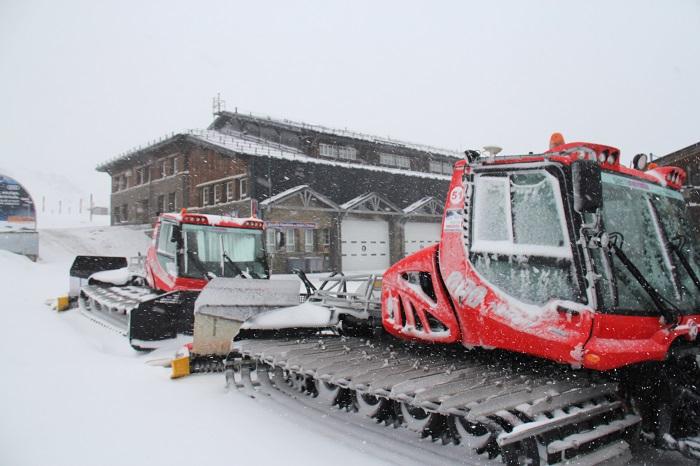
point(225, 303)
point(84, 266)
point(161, 318)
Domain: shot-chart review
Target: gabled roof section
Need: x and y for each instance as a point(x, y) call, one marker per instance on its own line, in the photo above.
point(236, 144)
point(371, 203)
point(428, 206)
point(302, 193)
point(301, 126)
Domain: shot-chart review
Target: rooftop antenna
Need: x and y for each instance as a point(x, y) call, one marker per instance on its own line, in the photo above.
point(217, 105)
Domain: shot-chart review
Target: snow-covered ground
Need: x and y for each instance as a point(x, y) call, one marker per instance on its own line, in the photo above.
point(75, 393)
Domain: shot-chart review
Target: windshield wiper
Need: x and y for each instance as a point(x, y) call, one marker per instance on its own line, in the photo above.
point(198, 264)
point(678, 249)
point(236, 269)
point(670, 315)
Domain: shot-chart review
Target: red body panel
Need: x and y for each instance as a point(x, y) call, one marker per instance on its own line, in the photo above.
point(476, 313)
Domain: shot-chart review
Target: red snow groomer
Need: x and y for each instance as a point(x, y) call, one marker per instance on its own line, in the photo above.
point(567, 256)
point(155, 302)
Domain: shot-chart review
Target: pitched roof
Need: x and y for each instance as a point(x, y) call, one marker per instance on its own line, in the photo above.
point(305, 192)
point(370, 202)
point(428, 205)
point(299, 126)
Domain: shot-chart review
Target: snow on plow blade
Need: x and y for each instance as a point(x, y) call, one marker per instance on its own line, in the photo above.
point(84, 266)
point(225, 303)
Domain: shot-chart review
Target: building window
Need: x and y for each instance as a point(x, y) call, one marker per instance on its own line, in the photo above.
point(394, 160)
point(441, 167)
point(163, 168)
point(338, 152)
point(308, 241)
point(161, 204)
point(171, 203)
point(289, 239)
point(243, 185)
point(116, 214)
point(217, 194)
point(230, 194)
point(174, 165)
point(270, 239)
point(125, 213)
point(142, 175)
point(121, 182)
point(205, 196)
point(326, 237)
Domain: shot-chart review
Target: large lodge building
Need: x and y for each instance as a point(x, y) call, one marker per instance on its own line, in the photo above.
point(331, 199)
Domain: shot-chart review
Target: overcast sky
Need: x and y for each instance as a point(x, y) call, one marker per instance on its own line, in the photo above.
point(81, 81)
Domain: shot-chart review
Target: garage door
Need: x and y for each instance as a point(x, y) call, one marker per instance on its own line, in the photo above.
point(418, 235)
point(364, 245)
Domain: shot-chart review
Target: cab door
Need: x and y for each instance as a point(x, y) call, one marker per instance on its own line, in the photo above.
point(520, 265)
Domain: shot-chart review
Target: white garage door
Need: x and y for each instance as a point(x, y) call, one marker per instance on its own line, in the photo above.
point(365, 244)
point(418, 235)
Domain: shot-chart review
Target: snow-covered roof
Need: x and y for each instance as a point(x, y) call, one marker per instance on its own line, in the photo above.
point(283, 194)
point(372, 202)
point(306, 193)
point(243, 144)
point(344, 133)
point(428, 205)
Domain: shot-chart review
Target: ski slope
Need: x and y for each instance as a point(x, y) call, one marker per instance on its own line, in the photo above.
point(75, 393)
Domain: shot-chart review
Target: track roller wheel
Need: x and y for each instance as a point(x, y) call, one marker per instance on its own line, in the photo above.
point(326, 392)
point(233, 375)
point(370, 405)
point(263, 376)
point(523, 452)
point(419, 420)
point(475, 437)
point(528, 451)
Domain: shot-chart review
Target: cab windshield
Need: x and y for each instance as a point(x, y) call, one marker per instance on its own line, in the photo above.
point(650, 224)
point(223, 252)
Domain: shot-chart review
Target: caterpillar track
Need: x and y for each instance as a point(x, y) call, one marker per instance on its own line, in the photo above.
point(112, 304)
point(519, 411)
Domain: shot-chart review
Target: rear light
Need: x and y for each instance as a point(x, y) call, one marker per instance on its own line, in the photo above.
point(195, 219)
point(591, 359)
point(254, 224)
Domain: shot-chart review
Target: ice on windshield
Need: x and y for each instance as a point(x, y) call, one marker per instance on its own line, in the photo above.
point(647, 217)
point(520, 241)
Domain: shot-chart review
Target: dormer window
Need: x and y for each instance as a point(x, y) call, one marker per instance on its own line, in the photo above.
point(441, 167)
point(394, 160)
point(338, 152)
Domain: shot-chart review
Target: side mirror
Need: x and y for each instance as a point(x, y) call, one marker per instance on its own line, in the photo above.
point(587, 186)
